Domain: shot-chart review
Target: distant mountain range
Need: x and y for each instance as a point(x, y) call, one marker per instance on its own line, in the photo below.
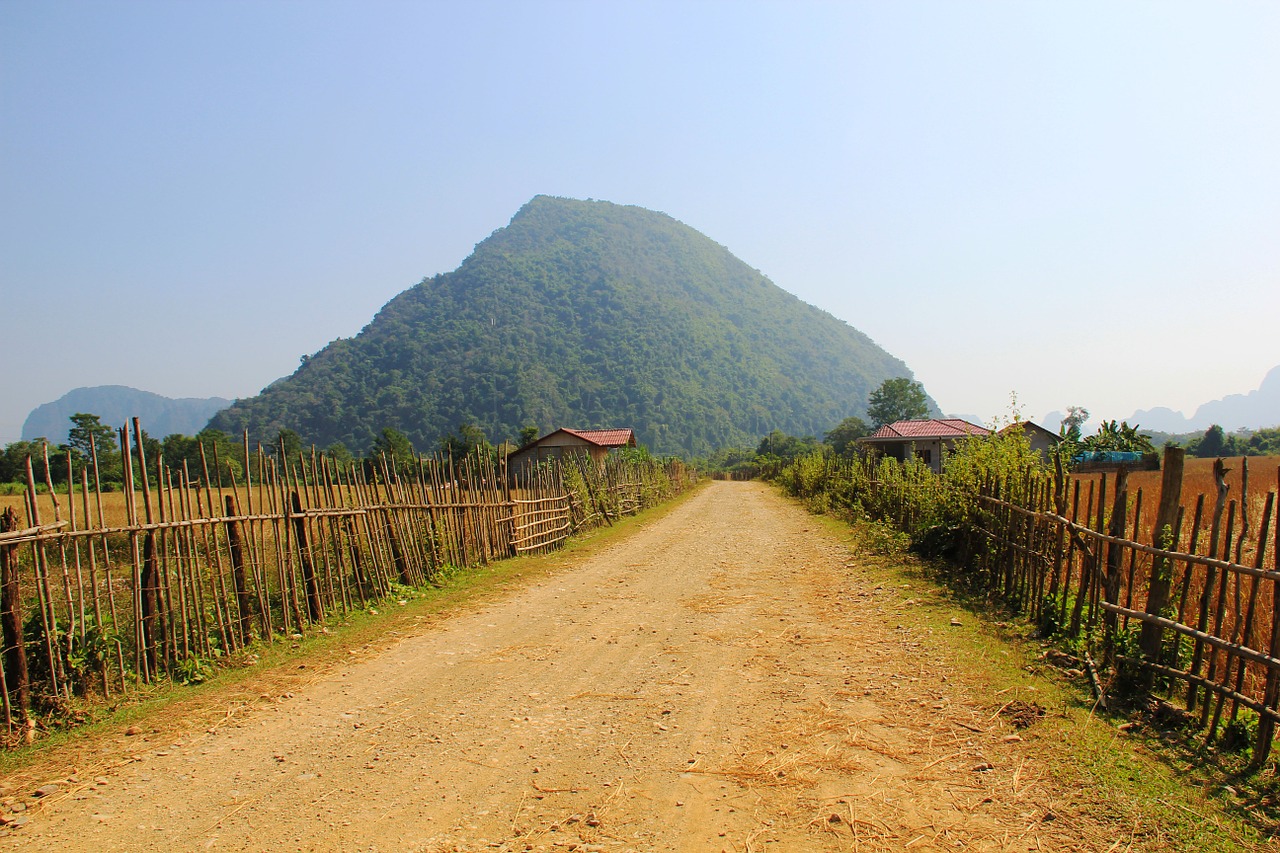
point(115, 405)
point(1255, 410)
point(1260, 408)
point(584, 314)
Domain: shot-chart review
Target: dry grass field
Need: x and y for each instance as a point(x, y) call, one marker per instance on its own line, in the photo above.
point(1240, 608)
point(115, 510)
point(1197, 480)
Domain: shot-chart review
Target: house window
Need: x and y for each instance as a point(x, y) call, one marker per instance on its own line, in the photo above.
point(926, 456)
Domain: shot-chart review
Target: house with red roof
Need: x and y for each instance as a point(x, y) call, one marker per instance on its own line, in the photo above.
point(923, 439)
point(596, 443)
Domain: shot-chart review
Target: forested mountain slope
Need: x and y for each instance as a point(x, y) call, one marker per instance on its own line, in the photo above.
point(584, 314)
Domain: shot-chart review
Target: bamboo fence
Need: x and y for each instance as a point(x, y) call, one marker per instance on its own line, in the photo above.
point(198, 571)
point(1183, 606)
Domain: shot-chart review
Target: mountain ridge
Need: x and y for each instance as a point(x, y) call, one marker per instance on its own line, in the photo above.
point(1255, 409)
point(115, 405)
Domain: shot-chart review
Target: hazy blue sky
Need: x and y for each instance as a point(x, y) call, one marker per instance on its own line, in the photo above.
point(1079, 202)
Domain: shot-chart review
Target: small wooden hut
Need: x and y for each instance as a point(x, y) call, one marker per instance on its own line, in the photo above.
point(596, 443)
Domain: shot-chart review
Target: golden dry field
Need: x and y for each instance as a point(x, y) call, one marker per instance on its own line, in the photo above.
point(1197, 480)
point(1240, 607)
point(115, 511)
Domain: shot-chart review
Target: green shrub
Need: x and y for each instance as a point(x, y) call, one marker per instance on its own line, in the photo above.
point(193, 670)
point(1239, 734)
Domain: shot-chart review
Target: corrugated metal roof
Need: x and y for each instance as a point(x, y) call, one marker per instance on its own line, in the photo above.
point(604, 437)
point(931, 428)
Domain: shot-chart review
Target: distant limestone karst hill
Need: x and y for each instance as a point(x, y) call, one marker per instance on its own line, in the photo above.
point(1256, 409)
point(585, 314)
point(115, 405)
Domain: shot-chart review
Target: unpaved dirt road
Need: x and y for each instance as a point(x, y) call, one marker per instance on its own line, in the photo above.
point(720, 679)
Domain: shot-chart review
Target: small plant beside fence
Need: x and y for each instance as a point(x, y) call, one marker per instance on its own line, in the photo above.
point(101, 592)
point(1181, 604)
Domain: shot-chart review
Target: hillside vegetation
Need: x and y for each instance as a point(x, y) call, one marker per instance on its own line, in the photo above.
point(588, 314)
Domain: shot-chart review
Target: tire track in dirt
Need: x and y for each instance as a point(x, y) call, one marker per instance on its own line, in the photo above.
point(721, 679)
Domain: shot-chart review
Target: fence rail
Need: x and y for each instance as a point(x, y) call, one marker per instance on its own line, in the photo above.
point(189, 571)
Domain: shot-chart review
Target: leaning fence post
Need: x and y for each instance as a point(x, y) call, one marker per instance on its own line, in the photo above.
point(1161, 565)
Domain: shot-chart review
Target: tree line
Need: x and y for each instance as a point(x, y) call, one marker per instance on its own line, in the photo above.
point(905, 399)
point(89, 438)
point(1217, 442)
point(895, 399)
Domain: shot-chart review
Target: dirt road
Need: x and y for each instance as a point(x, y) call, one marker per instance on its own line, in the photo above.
point(721, 679)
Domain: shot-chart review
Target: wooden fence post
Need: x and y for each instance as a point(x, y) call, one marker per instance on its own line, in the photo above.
point(1161, 566)
point(1115, 553)
point(315, 607)
point(15, 652)
point(1206, 596)
point(244, 602)
point(150, 615)
point(44, 595)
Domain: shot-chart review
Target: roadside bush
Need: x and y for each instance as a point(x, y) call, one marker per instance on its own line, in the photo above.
point(938, 512)
point(807, 478)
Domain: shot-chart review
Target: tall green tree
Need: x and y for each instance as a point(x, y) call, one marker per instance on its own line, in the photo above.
point(1073, 423)
point(1212, 443)
point(394, 446)
point(13, 461)
point(289, 443)
point(778, 445)
point(180, 448)
point(529, 434)
point(88, 430)
point(844, 436)
point(470, 439)
point(211, 447)
point(1119, 436)
point(899, 399)
point(1259, 442)
point(339, 455)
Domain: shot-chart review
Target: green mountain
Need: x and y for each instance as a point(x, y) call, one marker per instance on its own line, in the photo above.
point(583, 314)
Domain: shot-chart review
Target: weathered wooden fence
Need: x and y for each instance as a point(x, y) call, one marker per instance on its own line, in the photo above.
point(100, 592)
point(1183, 606)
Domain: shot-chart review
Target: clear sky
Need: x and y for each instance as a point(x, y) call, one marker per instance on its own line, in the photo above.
point(1077, 202)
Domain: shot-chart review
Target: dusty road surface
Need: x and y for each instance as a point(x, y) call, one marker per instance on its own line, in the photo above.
point(720, 679)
